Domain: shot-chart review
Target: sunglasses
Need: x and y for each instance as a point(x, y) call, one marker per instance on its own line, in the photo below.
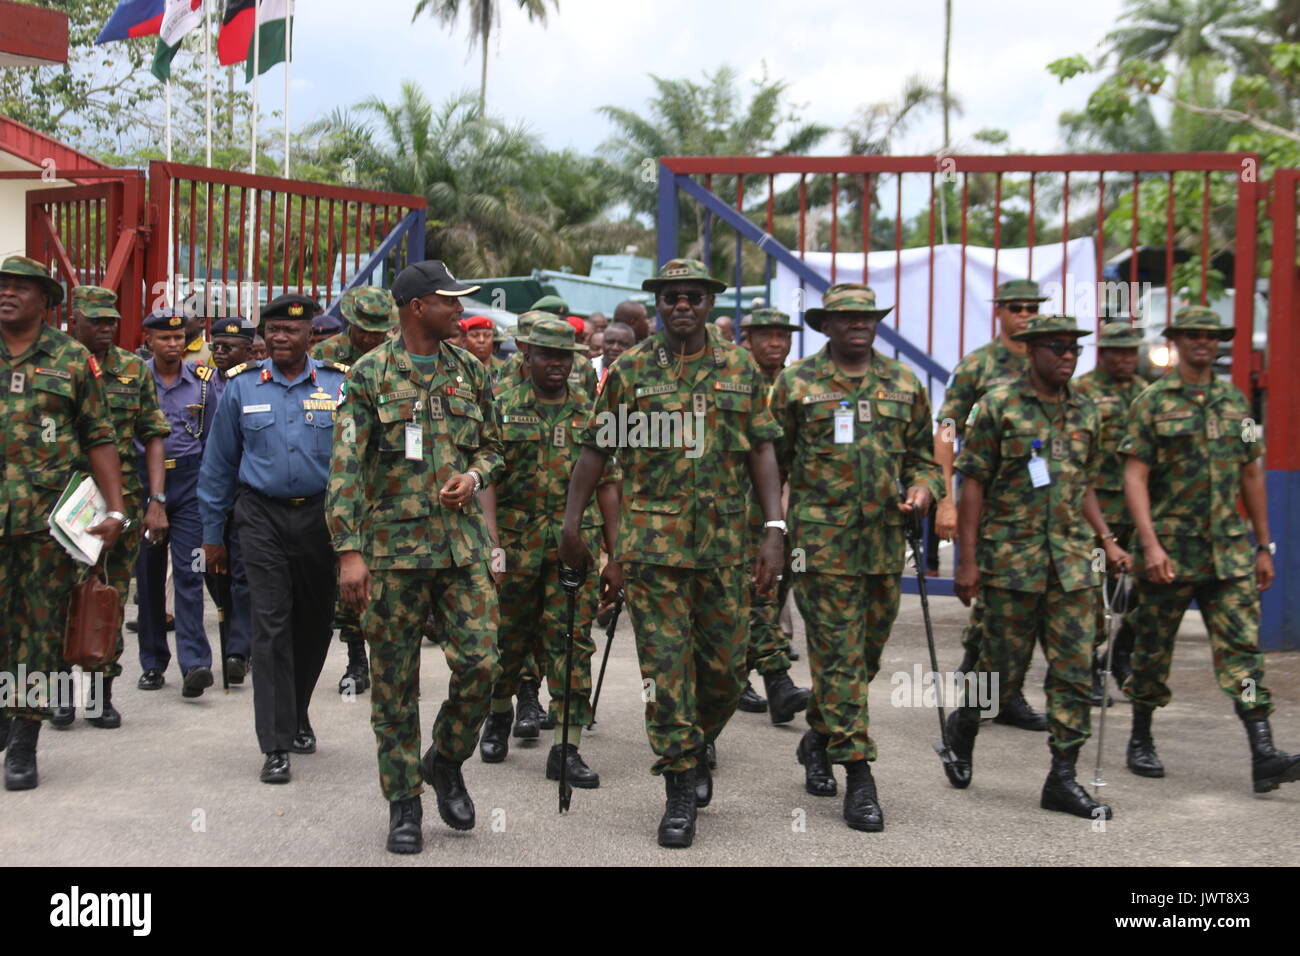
point(1200, 336)
point(672, 298)
point(1015, 308)
point(1061, 348)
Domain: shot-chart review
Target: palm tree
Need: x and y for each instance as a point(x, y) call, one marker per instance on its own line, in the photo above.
point(1189, 31)
point(484, 17)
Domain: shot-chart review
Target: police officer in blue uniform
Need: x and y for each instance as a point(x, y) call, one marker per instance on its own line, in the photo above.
point(187, 397)
point(232, 345)
point(270, 456)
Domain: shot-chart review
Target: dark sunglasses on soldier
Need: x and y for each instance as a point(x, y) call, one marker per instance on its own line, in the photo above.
point(1015, 308)
point(1061, 348)
point(671, 298)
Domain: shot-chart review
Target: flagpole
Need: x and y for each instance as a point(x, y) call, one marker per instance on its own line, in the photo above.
point(288, 46)
point(167, 96)
point(252, 206)
point(207, 72)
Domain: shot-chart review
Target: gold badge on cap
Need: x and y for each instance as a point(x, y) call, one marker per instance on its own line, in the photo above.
point(174, 321)
point(295, 309)
point(232, 329)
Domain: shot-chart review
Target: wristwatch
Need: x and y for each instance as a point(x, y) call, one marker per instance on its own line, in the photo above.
point(478, 482)
point(779, 525)
point(1271, 547)
point(160, 498)
point(126, 522)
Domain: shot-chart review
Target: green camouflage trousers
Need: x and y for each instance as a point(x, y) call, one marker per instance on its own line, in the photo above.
point(36, 578)
point(769, 648)
point(1063, 621)
point(463, 602)
point(348, 622)
point(973, 632)
point(533, 606)
point(1230, 610)
point(847, 619)
point(691, 634)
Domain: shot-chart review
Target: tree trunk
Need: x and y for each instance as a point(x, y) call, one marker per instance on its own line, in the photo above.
point(482, 81)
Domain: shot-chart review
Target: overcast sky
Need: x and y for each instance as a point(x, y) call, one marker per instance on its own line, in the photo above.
point(836, 55)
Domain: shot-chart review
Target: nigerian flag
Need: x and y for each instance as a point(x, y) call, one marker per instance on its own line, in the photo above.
point(179, 18)
point(274, 27)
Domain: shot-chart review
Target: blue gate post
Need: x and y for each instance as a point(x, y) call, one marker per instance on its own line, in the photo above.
point(666, 234)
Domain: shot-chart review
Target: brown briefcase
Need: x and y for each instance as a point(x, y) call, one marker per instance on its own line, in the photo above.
point(90, 639)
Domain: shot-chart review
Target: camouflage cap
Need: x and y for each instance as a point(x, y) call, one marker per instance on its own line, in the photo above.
point(549, 332)
point(1019, 290)
point(768, 319)
point(25, 268)
point(1040, 325)
point(683, 270)
point(369, 308)
point(845, 297)
point(95, 302)
point(525, 322)
point(1119, 335)
point(550, 303)
point(1198, 318)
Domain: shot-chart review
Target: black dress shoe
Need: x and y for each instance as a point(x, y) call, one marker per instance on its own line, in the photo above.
point(133, 627)
point(751, 702)
point(861, 805)
point(818, 777)
point(197, 679)
point(495, 743)
point(276, 767)
point(304, 741)
point(151, 680)
point(579, 774)
point(454, 803)
point(236, 668)
point(1018, 713)
point(404, 820)
point(961, 740)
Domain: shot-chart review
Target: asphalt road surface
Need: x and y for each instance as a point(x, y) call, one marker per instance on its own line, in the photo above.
point(178, 783)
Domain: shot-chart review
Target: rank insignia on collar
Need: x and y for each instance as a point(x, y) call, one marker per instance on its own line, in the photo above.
point(661, 356)
point(95, 370)
point(266, 375)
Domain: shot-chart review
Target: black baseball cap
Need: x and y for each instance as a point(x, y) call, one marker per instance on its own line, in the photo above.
point(427, 278)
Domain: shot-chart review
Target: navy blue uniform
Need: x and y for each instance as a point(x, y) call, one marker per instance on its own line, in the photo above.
point(265, 472)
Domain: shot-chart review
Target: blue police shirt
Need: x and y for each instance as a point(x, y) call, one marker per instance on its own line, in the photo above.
point(270, 433)
point(189, 404)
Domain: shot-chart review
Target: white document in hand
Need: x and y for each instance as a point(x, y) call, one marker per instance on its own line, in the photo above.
point(80, 507)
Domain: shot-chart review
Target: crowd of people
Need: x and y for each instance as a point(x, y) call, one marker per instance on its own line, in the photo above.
point(388, 473)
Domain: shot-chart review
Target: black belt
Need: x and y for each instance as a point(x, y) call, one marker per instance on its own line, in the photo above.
point(287, 502)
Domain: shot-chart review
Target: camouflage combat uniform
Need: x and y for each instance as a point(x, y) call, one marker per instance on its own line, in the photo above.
point(52, 401)
point(513, 373)
point(422, 557)
point(540, 447)
point(769, 645)
point(987, 367)
point(337, 349)
point(845, 527)
point(1035, 550)
point(1196, 441)
point(683, 533)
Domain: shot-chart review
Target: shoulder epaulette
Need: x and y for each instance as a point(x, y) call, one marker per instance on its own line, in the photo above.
point(241, 367)
point(337, 366)
point(204, 372)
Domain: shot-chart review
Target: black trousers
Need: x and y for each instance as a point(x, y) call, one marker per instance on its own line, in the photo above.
point(290, 565)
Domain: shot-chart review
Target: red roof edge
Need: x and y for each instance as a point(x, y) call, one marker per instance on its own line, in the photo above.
point(19, 139)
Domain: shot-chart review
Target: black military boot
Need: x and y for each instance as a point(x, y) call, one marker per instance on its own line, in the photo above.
point(677, 828)
point(861, 805)
point(1269, 766)
point(1062, 792)
point(4, 731)
point(818, 777)
point(1018, 713)
point(495, 743)
point(528, 714)
point(454, 803)
point(703, 779)
point(969, 660)
point(961, 740)
point(356, 678)
point(20, 757)
point(750, 702)
point(404, 820)
point(109, 718)
point(579, 774)
point(1099, 696)
point(784, 699)
point(1142, 759)
point(1121, 660)
point(63, 717)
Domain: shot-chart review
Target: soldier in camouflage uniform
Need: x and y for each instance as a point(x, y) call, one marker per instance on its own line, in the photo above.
point(1000, 362)
point(687, 417)
point(415, 438)
point(1112, 386)
point(768, 335)
point(541, 422)
point(133, 407)
point(1028, 462)
point(1191, 453)
point(514, 370)
point(56, 422)
point(854, 423)
point(371, 315)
